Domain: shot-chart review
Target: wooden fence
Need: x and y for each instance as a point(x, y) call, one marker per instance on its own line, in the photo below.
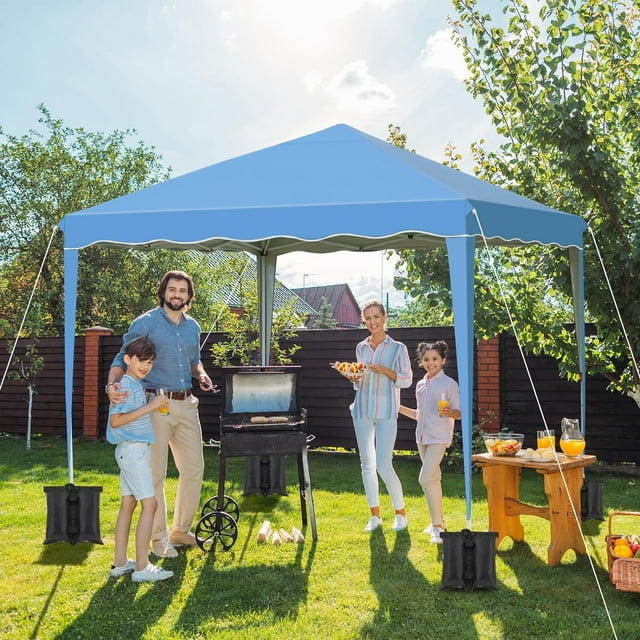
point(612, 420)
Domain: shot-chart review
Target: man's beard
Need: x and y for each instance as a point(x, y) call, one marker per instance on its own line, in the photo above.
point(176, 307)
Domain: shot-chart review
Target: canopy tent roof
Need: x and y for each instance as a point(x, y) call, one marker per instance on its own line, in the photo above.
point(336, 189)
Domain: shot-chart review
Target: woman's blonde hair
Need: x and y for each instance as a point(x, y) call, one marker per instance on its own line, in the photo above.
point(373, 303)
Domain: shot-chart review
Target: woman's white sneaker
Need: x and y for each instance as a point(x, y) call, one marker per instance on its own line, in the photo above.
point(400, 523)
point(373, 524)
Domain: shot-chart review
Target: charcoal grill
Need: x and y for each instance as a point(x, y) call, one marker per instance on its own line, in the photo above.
point(260, 416)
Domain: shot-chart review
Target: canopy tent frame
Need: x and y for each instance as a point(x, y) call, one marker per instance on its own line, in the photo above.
point(318, 193)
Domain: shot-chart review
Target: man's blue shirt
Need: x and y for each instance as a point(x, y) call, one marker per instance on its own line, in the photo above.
point(177, 349)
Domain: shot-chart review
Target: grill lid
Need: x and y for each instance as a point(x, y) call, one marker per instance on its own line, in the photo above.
point(260, 391)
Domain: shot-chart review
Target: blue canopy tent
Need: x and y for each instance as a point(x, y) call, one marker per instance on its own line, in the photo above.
point(336, 189)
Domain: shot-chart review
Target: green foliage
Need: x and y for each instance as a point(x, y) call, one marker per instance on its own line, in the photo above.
point(424, 310)
point(27, 367)
point(563, 90)
point(56, 170)
point(564, 94)
point(453, 457)
point(44, 175)
point(242, 346)
point(325, 318)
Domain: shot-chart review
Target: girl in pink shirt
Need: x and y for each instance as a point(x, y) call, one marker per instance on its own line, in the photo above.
point(437, 401)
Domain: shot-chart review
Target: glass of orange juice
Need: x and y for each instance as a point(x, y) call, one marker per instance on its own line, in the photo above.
point(164, 409)
point(443, 403)
point(546, 438)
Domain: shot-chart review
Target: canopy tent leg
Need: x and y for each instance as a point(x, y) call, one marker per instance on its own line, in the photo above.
point(576, 261)
point(70, 289)
point(266, 286)
point(461, 252)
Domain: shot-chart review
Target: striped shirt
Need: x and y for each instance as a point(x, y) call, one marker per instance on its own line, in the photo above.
point(139, 430)
point(377, 396)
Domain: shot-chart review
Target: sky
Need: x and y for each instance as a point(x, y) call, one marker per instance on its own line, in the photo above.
point(207, 80)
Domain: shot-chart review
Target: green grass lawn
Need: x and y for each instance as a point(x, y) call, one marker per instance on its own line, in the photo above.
point(348, 584)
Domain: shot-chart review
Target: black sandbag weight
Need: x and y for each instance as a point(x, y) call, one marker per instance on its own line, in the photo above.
point(469, 560)
point(73, 514)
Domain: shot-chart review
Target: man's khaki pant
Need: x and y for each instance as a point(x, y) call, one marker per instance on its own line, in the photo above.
point(181, 432)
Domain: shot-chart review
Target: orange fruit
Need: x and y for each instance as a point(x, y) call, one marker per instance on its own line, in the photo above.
point(622, 551)
point(620, 541)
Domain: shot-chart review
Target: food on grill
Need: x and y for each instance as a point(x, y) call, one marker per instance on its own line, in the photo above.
point(351, 370)
point(277, 419)
point(285, 536)
point(259, 420)
point(297, 535)
point(265, 531)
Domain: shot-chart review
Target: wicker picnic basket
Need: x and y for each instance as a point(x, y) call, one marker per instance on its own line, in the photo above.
point(624, 573)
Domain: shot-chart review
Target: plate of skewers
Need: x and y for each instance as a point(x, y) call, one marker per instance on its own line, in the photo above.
point(352, 371)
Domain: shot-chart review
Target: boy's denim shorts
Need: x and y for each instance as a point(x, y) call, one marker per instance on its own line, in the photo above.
point(135, 470)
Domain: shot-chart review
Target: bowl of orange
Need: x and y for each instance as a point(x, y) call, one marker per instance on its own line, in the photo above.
point(503, 444)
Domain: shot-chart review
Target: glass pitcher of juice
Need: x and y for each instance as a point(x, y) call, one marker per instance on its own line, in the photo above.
point(571, 441)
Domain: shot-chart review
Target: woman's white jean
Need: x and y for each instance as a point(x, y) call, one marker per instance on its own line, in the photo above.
point(376, 440)
point(430, 478)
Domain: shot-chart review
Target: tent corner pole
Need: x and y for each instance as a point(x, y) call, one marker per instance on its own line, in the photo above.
point(266, 287)
point(70, 288)
point(461, 254)
point(576, 262)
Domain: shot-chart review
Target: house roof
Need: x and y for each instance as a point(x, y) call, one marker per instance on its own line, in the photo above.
point(333, 293)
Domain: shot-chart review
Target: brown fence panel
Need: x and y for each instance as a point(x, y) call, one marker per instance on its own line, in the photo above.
point(612, 420)
point(48, 410)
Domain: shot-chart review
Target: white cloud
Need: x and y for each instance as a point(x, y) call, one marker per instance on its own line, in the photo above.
point(441, 53)
point(353, 88)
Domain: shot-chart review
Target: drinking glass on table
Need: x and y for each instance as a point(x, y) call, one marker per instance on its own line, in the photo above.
point(546, 438)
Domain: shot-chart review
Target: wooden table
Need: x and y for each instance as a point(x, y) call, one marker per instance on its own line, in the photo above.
point(501, 476)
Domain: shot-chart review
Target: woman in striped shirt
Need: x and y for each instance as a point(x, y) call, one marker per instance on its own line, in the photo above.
point(375, 412)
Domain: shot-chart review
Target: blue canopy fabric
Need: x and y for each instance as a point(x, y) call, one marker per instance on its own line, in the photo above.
point(336, 189)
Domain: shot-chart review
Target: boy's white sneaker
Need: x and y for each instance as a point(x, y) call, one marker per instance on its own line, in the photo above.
point(151, 573)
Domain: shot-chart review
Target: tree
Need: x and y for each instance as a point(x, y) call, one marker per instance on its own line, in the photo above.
point(562, 89)
point(325, 319)
point(45, 175)
point(242, 329)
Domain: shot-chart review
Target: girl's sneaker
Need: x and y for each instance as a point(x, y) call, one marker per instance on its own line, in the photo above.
point(435, 534)
point(151, 573)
